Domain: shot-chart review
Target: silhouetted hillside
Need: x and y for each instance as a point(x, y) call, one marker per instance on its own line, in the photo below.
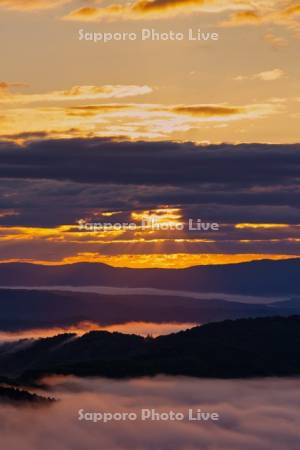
point(13, 395)
point(241, 348)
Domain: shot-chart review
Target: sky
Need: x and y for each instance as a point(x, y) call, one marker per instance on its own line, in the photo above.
point(170, 131)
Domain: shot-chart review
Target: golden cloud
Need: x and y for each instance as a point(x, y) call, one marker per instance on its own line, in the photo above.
point(275, 41)
point(93, 110)
point(268, 75)
point(158, 260)
point(76, 93)
point(23, 5)
point(30, 116)
point(292, 10)
point(207, 110)
point(4, 85)
point(265, 226)
point(246, 11)
point(244, 17)
point(148, 6)
point(276, 12)
point(140, 9)
point(119, 120)
point(136, 248)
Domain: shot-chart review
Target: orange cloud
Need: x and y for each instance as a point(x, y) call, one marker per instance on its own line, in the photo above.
point(275, 12)
point(208, 110)
point(262, 225)
point(23, 5)
point(148, 6)
point(76, 93)
point(275, 41)
point(122, 121)
point(31, 116)
point(140, 9)
point(292, 10)
point(244, 17)
point(92, 110)
point(268, 75)
point(246, 11)
point(223, 111)
point(4, 85)
point(159, 260)
point(144, 247)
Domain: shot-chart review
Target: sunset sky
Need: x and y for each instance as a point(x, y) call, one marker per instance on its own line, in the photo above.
point(126, 131)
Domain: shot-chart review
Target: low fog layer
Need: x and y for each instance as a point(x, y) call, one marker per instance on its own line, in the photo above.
point(254, 415)
point(111, 290)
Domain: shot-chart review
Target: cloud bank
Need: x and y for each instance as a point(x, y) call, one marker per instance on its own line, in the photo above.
point(251, 190)
point(254, 415)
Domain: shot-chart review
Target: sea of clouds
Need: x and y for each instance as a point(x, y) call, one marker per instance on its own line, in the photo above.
point(258, 414)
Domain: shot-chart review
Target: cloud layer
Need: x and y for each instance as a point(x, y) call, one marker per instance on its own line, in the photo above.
point(29, 5)
point(252, 191)
point(76, 112)
point(152, 163)
point(254, 415)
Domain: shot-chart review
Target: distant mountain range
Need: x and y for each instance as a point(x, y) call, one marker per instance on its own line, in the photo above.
point(241, 348)
point(253, 278)
point(22, 309)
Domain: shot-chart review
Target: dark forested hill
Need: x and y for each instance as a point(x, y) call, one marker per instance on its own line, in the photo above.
point(241, 348)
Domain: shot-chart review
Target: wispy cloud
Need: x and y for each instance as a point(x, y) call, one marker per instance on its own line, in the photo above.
point(268, 75)
point(275, 41)
point(74, 93)
point(27, 116)
point(125, 121)
point(273, 12)
point(23, 5)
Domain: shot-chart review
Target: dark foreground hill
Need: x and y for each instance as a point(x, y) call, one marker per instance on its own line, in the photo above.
point(241, 348)
point(252, 278)
point(20, 396)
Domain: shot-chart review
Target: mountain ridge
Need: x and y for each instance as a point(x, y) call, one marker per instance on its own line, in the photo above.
point(27, 309)
point(231, 349)
point(265, 277)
